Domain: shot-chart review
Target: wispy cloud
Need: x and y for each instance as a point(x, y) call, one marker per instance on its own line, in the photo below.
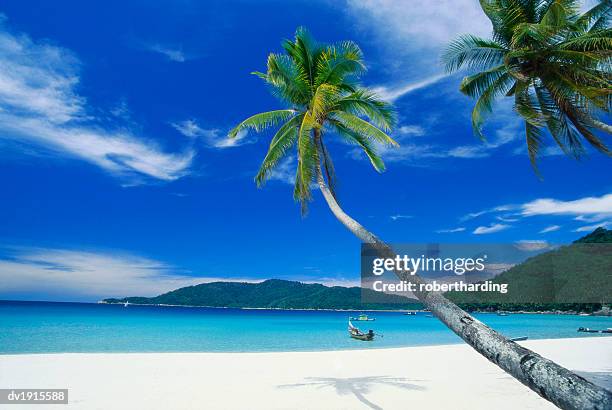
point(284, 171)
point(481, 230)
point(551, 228)
point(588, 209)
point(411, 153)
point(400, 216)
point(212, 137)
point(405, 31)
point(172, 53)
point(411, 130)
point(592, 218)
point(393, 92)
point(451, 230)
point(90, 275)
point(584, 206)
point(532, 245)
point(589, 228)
point(474, 215)
point(86, 275)
point(39, 105)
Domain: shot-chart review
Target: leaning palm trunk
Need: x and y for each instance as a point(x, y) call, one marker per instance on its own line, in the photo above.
point(551, 381)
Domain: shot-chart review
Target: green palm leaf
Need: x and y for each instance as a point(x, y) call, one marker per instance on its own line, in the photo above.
point(556, 62)
point(283, 140)
point(261, 121)
point(320, 85)
point(362, 127)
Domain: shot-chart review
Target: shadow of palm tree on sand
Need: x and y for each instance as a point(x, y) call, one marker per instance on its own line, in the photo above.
point(357, 386)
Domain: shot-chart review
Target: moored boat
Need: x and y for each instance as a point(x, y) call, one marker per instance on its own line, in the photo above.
point(588, 330)
point(355, 333)
point(363, 318)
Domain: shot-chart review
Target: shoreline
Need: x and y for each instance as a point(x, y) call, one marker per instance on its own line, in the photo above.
point(509, 312)
point(245, 352)
point(443, 376)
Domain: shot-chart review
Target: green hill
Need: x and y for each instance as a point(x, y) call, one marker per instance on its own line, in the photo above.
point(274, 294)
point(574, 277)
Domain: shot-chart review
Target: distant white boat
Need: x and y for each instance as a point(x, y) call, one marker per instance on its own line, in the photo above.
point(126, 304)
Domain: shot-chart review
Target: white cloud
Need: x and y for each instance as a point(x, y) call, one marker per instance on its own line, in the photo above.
point(590, 228)
point(551, 228)
point(452, 230)
point(505, 218)
point(532, 245)
point(420, 29)
point(411, 130)
point(593, 218)
point(583, 206)
point(414, 154)
point(212, 137)
point(39, 105)
point(175, 54)
point(393, 92)
point(481, 230)
point(87, 275)
point(399, 216)
point(284, 171)
point(474, 215)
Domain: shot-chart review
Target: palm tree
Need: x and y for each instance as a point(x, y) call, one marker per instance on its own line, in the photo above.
point(555, 62)
point(319, 84)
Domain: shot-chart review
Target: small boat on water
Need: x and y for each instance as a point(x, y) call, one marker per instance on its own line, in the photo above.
point(500, 313)
point(588, 330)
point(519, 339)
point(126, 304)
point(363, 318)
point(409, 313)
point(355, 333)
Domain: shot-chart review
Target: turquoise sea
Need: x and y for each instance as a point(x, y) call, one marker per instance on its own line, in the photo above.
point(42, 327)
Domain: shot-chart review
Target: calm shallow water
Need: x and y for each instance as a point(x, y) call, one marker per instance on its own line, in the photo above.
point(40, 327)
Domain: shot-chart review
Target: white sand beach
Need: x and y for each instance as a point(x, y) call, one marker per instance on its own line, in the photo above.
point(433, 377)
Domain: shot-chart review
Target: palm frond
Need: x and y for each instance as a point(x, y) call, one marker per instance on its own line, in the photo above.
point(367, 103)
point(363, 128)
point(283, 140)
point(475, 85)
point(600, 40)
point(597, 18)
point(472, 52)
point(337, 62)
point(534, 142)
point(261, 121)
point(304, 51)
point(526, 106)
point(364, 143)
point(498, 87)
point(308, 159)
point(283, 76)
point(323, 100)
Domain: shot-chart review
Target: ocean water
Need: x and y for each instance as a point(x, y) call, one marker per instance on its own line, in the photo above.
point(40, 327)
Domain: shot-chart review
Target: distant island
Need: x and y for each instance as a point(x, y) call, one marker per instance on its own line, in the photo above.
point(535, 280)
point(275, 294)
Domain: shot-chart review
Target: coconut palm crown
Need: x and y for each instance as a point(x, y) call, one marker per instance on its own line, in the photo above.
point(555, 62)
point(319, 85)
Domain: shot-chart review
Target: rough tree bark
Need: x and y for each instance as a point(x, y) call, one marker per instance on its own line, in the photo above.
point(551, 381)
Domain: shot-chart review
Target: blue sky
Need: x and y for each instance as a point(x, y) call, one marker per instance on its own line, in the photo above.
point(118, 180)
